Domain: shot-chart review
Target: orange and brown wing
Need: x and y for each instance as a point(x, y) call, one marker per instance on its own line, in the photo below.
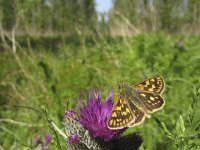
point(152, 85)
point(138, 113)
point(151, 101)
point(122, 115)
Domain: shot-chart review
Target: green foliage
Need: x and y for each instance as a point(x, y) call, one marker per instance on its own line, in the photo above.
point(69, 17)
point(185, 137)
point(51, 16)
point(149, 16)
point(43, 76)
point(194, 108)
point(8, 10)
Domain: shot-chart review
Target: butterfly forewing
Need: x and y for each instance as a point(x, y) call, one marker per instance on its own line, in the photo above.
point(122, 114)
point(152, 85)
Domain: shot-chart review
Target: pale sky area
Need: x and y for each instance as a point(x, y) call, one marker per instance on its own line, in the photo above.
point(103, 5)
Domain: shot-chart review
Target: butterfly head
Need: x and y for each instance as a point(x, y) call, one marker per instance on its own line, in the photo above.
point(121, 86)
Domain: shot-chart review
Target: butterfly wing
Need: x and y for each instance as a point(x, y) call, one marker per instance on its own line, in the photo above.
point(136, 102)
point(151, 102)
point(152, 85)
point(122, 114)
point(139, 115)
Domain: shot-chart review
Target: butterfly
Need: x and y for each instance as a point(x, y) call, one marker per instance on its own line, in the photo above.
point(135, 102)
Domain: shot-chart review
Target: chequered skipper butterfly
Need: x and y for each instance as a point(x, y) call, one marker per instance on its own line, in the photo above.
point(135, 102)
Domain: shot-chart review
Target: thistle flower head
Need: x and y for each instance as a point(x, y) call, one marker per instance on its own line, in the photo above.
point(48, 138)
point(74, 138)
point(70, 114)
point(44, 142)
point(86, 128)
point(94, 115)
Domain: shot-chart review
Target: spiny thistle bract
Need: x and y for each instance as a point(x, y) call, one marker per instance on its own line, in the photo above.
point(86, 126)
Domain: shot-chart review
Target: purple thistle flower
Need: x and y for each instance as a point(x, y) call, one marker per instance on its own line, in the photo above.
point(94, 116)
point(86, 128)
point(74, 138)
point(44, 143)
point(70, 114)
point(48, 138)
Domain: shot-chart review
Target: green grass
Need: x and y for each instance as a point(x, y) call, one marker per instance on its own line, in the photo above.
point(33, 79)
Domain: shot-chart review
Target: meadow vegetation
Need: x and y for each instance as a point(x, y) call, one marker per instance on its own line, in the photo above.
point(52, 50)
point(34, 79)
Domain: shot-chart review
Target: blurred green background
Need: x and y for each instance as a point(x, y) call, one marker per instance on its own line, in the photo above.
point(50, 50)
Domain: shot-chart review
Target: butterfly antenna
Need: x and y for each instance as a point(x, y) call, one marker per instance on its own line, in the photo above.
point(130, 76)
point(109, 84)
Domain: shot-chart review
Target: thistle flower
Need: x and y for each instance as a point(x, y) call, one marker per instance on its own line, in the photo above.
point(77, 136)
point(74, 138)
point(94, 116)
point(70, 114)
point(86, 128)
point(48, 138)
point(43, 144)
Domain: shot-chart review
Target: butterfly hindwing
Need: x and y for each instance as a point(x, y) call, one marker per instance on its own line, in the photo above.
point(151, 101)
point(152, 85)
point(138, 113)
point(122, 114)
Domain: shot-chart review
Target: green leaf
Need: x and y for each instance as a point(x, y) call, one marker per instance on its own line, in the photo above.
point(194, 110)
point(164, 128)
point(180, 127)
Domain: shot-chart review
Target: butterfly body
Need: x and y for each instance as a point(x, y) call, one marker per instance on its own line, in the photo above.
point(135, 102)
